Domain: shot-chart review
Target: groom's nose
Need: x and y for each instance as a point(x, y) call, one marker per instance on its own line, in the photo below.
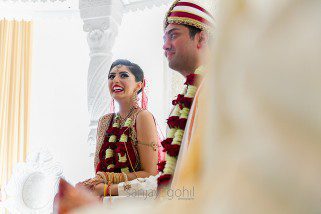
point(167, 45)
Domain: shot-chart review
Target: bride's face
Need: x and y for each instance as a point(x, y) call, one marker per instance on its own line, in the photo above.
point(121, 83)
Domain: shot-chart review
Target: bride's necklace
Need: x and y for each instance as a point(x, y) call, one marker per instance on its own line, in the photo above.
point(121, 120)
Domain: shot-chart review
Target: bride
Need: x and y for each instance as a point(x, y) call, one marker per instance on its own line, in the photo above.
point(126, 141)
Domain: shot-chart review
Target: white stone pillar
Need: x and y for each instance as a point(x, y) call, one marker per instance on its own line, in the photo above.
point(101, 20)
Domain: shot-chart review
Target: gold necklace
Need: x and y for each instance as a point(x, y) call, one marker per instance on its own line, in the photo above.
point(121, 120)
point(131, 165)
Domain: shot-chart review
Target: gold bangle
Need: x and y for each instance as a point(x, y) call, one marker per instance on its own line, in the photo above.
point(120, 175)
point(107, 176)
point(104, 177)
point(110, 178)
point(119, 178)
point(100, 175)
point(105, 189)
point(116, 178)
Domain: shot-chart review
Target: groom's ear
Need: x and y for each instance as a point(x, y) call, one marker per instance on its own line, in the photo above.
point(202, 38)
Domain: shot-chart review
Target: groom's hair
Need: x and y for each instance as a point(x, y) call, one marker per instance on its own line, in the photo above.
point(192, 31)
point(133, 67)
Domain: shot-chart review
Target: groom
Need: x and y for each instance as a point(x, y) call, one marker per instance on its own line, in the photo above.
point(187, 29)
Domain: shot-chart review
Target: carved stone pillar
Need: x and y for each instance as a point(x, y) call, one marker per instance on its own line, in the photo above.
point(101, 20)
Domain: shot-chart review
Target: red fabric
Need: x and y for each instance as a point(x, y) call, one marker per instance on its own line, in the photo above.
point(194, 6)
point(113, 131)
point(125, 130)
point(189, 15)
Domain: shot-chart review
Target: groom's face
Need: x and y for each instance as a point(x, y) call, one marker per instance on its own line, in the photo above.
point(180, 49)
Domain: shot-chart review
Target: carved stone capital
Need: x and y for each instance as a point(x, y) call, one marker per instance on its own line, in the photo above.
point(101, 20)
point(101, 41)
point(100, 14)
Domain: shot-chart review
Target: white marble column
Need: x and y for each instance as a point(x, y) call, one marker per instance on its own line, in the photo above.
point(101, 20)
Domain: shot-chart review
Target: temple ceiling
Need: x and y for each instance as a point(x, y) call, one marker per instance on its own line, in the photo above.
point(129, 5)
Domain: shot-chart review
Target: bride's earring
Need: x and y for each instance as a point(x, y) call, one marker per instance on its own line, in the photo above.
point(112, 106)
point(135, 99)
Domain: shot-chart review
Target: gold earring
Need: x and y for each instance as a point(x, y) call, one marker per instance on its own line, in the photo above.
point(135, 100)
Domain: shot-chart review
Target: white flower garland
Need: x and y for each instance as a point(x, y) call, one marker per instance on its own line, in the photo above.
point(177, 133)
point(123, 138)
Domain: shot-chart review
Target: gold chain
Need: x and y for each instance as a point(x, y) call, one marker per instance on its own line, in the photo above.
point(130, 162)
point(122, 121)
point(154, 146)
point(127, 153)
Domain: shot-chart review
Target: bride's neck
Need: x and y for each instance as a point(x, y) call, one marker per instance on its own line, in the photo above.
point(124, 108)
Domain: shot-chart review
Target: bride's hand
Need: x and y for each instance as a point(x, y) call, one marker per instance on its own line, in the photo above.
point(84, 184)
point(89, 183)
point(99, 189)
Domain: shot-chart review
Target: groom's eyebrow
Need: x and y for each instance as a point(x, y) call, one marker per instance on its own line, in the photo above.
point(169, 32)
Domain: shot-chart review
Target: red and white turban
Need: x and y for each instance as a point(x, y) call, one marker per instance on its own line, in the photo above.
point(196, 13)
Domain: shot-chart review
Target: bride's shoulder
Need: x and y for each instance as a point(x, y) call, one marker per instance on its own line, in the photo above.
point(105, 118)
point(144, 115)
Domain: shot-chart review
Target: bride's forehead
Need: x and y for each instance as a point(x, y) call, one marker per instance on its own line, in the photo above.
point(120, 68)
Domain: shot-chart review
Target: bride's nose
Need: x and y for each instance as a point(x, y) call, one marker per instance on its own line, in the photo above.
point(116, 79)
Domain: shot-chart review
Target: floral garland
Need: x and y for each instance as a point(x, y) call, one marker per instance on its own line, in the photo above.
point(177, 123)
point(112, 154)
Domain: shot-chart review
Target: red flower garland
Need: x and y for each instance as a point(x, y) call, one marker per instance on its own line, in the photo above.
point(161, 166)
point(175, 122)
point(191, 79)
point(172, 122)
point(118, 148)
